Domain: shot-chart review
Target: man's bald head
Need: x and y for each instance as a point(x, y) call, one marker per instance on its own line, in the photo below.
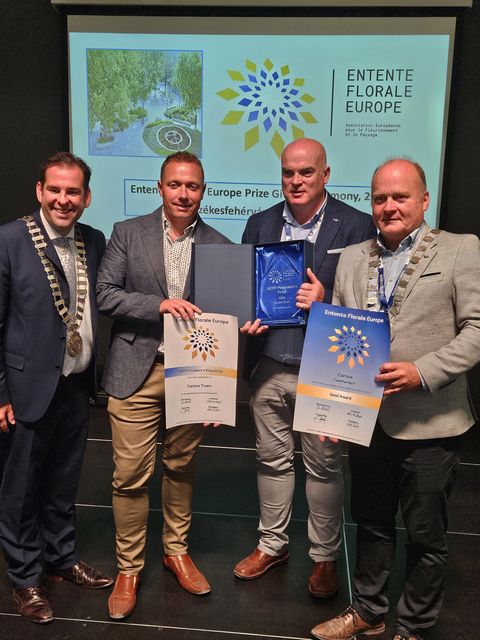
point(304, 175)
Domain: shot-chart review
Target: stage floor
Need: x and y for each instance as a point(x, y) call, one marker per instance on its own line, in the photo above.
point(224, 530)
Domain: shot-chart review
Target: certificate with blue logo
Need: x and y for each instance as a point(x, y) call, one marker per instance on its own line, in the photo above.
point(200, 369)
point(337, 395)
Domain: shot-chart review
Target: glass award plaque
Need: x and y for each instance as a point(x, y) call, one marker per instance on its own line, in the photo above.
point(279, 272)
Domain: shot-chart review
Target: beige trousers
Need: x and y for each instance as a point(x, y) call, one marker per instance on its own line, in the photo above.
point(136, 422)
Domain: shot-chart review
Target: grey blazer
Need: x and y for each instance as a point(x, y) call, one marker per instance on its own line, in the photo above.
point(131, 284)
point(437, 328)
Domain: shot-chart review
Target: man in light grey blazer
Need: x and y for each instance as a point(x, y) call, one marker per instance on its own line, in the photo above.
point(145, 274)
point(429, 283)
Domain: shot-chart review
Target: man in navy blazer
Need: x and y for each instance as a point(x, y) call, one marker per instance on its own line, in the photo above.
point(46, 378)
point(312, 214)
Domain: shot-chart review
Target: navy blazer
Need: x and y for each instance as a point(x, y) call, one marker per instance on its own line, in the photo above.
point(32, 334)
point(342, 226)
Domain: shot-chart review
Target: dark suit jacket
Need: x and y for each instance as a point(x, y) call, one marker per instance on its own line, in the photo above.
point(342, 226)
point(131, 285)
point(32, 334)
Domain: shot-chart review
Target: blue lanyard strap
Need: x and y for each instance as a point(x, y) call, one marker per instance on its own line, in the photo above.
point(376, 296)
point(382, 296)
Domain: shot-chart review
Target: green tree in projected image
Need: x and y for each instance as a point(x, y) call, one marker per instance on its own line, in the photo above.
point(141, 102)
point(188, 80)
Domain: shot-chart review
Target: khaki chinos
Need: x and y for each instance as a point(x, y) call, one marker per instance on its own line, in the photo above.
point(136, 422)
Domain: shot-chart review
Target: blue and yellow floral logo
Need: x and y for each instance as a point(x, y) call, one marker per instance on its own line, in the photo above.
point(202, 342)
point(268, 101)
point(351, 344)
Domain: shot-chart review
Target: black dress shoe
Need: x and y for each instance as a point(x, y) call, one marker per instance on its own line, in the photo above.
point(83, 575)
point(32, 603)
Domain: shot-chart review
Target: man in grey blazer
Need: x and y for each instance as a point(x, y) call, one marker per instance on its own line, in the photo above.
point(308, 213)
point(429, 283)
point(144, 275)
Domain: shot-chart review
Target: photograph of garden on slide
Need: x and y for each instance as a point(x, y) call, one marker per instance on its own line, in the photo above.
point(144, 103)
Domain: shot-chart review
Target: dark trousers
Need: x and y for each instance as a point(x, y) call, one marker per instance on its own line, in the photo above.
point(40, 481)
point(416, 475)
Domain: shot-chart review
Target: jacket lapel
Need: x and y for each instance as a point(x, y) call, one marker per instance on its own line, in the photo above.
point(201, 236)
point(92, 265)
point(273, 233)
point(152, 236)
point(425, 260)
point(52, 255)
point(360, 278)
point(49, 250)
point(326, 234)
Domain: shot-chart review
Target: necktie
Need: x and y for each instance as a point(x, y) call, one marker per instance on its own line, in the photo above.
point(67, 259)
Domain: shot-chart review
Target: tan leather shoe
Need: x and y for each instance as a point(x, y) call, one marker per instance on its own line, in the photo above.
point(347, 626)
point(82, 574)
point(187, 574)
point(323, 581)
point(32, 603)
point(257, 564)
point(123, 598)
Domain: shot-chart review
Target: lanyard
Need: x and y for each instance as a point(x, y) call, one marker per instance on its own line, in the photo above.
point(311, 234)
point(382, 296)
point(375, 289)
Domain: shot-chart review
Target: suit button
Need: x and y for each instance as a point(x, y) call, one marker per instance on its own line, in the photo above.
point(57, 366)
point(62, 339)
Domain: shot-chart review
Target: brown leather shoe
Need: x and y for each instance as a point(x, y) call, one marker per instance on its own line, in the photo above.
point(32, 603)
point(81, 574)
point(257, 564)
point(347, 626)
point(187, 574)
point(323, 581)
point(123, 598)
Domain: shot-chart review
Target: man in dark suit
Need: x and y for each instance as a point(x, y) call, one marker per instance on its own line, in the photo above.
point(309, 213)
point(144, 275)
point(46, 378)
point(428, 281)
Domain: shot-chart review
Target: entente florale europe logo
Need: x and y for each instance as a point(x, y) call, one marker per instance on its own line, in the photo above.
point(268, 101)
point(275, 276)
point(351, 344)
point(202, 341)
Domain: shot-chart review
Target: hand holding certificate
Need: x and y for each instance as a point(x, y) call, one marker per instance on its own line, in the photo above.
point(337, 395)
point(200, 369)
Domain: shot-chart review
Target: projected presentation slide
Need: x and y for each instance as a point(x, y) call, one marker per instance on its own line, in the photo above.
point(236, 99)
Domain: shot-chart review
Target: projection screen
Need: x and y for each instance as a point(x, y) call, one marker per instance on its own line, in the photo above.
point(234, 91)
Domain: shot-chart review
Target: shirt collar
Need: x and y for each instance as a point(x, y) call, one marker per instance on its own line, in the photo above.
point(188, 230)
point(405, 244)
point(53, 233)
point(289, 218)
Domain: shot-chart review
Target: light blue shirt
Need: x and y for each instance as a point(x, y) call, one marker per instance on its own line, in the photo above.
point(299, 231)
point(394, 262)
